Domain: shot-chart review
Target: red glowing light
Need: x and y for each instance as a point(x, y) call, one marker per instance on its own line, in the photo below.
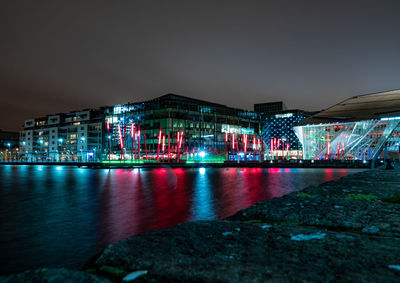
point(121, 142)
point(328, 146)
point(132, 129)
point(163, 143)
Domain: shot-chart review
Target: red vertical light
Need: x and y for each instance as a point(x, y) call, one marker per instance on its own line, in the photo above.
point(139, 141)
point(244, 143)
point(135, 144)
point(158, 144)
point(328, 145)
point(168, 149)
point(121, 142)
point(180, 142)
point(163, 143)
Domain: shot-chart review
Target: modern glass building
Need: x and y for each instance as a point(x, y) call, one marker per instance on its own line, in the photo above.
point(176, 128)
point(360, 128)
point(280, 139)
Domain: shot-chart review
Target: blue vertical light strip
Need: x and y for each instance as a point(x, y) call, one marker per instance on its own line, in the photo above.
point(202, 207)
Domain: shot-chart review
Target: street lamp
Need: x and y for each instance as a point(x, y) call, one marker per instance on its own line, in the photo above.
point(60, 140)
point(9, 151)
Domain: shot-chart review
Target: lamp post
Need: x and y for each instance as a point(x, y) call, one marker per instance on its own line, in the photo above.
point(9, 151)
point(60, 141)
point(82, 141)
point(40, 151)
point(109, 147)
point(23, 149)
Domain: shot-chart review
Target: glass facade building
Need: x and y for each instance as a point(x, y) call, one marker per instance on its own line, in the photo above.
point(280, 139)
point(363, 127)
point(175, 128)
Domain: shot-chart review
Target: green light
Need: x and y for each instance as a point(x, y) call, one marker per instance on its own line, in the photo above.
point(211, 159)
point(128, 161)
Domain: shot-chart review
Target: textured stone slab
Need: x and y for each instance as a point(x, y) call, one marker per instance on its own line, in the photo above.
point(224, 251)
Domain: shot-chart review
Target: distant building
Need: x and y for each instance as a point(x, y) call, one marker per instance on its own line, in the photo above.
point(8, 145)
point(269, 107)
point(360, 128)
point(73, 136)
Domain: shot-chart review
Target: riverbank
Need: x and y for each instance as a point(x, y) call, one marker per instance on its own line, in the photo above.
point(344, 230)
point(225, 164)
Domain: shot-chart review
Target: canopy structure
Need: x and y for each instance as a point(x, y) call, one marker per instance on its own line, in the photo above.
point(359, 128)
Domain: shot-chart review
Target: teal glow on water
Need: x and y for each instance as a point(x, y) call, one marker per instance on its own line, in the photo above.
point(62, 216)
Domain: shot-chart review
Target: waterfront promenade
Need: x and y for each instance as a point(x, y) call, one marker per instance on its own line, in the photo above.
point(344, 230)
point(250, 164)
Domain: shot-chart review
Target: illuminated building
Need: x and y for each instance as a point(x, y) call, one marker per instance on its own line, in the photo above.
point(74, 136)
point(168, 128)
point(8, 146)
point(280, 140)
point(360, 128)
point(177, 128)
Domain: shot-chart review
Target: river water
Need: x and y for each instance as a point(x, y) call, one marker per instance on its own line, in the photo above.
point(61, 216)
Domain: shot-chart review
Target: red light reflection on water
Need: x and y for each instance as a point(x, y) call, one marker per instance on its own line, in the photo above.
point(133, 202)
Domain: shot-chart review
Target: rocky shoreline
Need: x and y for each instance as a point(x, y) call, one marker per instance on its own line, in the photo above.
point(344, 230)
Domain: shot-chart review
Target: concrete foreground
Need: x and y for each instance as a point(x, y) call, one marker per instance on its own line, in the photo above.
point(345, 230)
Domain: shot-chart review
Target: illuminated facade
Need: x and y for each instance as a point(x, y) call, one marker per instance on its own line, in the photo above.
point(175, 128)
point(170, 128)
point(74, 136)
point(360, 128)
point(278, 134)
point(8, 146)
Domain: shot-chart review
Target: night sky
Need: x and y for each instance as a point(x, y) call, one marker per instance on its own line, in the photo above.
point(58, 56)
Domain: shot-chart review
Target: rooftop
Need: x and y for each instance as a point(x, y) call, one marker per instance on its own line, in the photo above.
point(358, 108)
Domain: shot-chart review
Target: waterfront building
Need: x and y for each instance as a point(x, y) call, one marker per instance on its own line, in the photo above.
point(9, 146)
point(279, 137)
point(363, 127)
point(73, 136)
point(169, 128)
point(177, 128)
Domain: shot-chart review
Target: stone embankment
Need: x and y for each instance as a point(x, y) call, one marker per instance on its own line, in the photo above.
point(345, 230)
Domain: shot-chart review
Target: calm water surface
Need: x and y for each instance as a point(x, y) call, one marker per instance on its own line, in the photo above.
point(61, 216)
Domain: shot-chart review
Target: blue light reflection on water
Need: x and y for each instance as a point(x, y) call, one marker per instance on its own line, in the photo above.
point(61, 216)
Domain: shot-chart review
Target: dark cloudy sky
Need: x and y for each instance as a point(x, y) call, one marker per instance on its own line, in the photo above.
point(58, 56)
